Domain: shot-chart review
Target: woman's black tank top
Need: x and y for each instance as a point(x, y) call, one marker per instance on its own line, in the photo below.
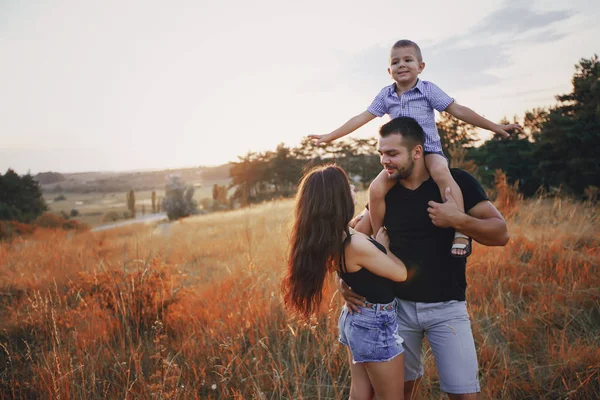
point(374, 288)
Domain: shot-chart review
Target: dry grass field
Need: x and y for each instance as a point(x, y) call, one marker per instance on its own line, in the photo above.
point(192, 309)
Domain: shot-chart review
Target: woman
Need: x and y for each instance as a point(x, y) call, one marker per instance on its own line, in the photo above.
point(321, 242)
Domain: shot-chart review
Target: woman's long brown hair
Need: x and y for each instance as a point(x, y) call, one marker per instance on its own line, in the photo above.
point(324, 207)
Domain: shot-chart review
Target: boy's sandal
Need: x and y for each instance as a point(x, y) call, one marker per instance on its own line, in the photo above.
point(461, 246)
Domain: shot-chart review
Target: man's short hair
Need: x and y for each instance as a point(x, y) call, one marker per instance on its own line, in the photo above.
point(408, 128)
point(408, 43)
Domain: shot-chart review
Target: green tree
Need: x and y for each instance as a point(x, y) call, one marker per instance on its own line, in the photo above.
point(285, 170)
point(20, 197)
point(513, 156)
point(179, 199)
point(131, 203)
point(262, 176)
point(219, 194)
point(357, 157)
point(248, 174)
point(455, 133)
point(365, 163)
point(568, 142)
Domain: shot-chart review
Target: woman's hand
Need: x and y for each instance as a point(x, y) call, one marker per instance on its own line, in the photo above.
point(353, 301)
point(362, 222)
point(355, 220)
point(383, 238)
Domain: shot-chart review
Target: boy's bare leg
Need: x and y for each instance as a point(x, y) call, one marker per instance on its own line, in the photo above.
point(437, 166)
point(362, 225)
point(377, 191)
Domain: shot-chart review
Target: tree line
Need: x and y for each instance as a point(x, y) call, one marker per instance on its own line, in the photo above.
point(556, 149)
point(559, 145)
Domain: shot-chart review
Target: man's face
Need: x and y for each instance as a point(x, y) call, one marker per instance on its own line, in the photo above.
point(405, 66)
point(395, 157)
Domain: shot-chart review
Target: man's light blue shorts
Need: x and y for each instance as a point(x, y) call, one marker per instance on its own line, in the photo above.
point(448, 330)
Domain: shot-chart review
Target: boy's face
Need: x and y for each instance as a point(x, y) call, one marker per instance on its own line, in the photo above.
point(405, 65)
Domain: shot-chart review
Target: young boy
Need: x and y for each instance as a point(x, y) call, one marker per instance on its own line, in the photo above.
point(409, 96)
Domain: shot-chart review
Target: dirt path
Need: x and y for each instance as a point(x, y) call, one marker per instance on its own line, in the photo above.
point(145, 219)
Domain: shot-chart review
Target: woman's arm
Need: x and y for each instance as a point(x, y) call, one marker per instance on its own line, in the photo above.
point(362, 252)
point(365, 254)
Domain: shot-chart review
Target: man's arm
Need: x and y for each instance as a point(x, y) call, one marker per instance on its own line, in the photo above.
point(471, 117)
point(483, 222)
point(350, 126)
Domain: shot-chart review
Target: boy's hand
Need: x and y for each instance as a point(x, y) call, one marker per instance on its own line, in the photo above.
point(502, 129)
point(319, 139)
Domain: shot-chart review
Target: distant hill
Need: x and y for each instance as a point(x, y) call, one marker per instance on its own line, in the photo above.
point(216, 173)
point(45, 178)
point(87, 182)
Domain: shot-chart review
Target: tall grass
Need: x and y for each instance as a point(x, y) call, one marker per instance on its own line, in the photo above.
point(193, 310)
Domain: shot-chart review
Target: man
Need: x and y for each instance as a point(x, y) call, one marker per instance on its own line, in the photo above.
point(421, 230)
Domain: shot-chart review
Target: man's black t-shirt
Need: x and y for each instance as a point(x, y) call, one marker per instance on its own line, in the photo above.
point(433, 274)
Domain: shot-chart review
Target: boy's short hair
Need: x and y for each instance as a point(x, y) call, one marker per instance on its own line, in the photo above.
point(408, 43)
point(408, 128)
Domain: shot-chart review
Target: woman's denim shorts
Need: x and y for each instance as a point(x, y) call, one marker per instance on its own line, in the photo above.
point(372, 335)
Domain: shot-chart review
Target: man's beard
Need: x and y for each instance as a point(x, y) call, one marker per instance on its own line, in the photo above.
point(403, 173)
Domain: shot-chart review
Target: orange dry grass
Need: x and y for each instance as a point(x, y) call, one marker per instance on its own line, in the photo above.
point(192, 310)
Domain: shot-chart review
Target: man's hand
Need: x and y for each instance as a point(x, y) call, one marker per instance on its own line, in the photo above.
point(503, 130)
point(353, 301)
point(445, 215)
point(383, 238)
point(320, 139)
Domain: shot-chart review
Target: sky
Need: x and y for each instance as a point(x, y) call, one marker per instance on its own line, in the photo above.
point(140, 85)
